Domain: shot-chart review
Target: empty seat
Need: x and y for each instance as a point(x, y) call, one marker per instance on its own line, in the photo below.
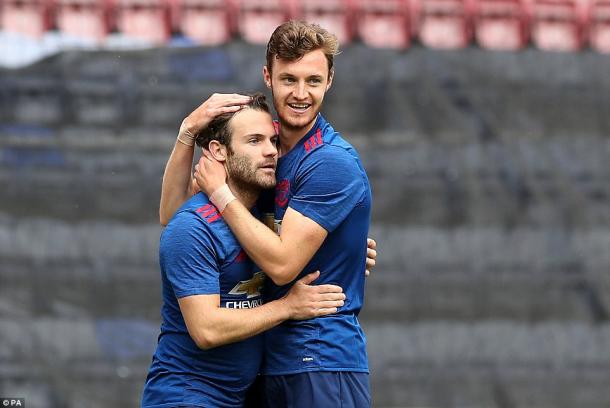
point(557, 25)
point(84, 18)
point(29, 17)
point(443, 24)
point(257, 19)
point(148, 20)
point(334, 15)
point(599, 25)
point(207, 22)
point(383, 23)
point(500, 24)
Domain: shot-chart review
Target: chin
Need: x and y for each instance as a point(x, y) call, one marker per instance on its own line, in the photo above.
point(298, 122)
point(266, 183)
point(265, 186)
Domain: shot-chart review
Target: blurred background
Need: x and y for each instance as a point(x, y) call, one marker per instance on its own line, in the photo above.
point(483, 126)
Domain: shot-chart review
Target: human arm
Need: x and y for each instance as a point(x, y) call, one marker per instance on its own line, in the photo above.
point(177, 184)
point(210, 325)
point(325, 194)
point(176, 181)
point(282, 256)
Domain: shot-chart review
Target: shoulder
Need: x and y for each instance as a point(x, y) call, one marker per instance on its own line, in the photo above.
point(185, 228)
point(328, 170)
point(331, 155)
point(197, 223)
point(198, 211)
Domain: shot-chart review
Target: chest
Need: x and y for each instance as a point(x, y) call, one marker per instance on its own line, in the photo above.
point(286, 175)
point(241, 281)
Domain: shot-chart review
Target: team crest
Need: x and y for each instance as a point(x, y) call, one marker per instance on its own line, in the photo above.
point(281, 193)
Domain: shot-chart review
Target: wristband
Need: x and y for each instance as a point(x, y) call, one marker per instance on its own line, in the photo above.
point(222, 197)
point(185, 136)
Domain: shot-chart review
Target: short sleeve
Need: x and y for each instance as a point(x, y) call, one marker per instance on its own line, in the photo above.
point(328, 185)
point(188, 257)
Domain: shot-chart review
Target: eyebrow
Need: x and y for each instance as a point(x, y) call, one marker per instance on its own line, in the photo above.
point(259, 135)
point(314, 76)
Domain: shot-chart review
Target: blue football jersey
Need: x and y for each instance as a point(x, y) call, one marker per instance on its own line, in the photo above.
point(323, 179)
point(199, 255)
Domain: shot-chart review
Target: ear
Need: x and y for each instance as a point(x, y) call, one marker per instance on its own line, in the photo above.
point(331, 75)
point(218, 151)
point(267, 76)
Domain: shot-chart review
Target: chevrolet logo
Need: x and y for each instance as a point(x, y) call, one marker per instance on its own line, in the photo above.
point(252, 287)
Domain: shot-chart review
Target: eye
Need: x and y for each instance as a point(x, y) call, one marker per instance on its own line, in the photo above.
point(315, 81)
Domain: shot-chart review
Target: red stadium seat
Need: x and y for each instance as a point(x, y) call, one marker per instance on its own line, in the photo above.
point(29, 17)
point(334, 15)
point(207, 22)
point(599, 26)
point(443, 24)
point(558, 25)
point(145, 19)
point(84, 18)
point(500, 24)
point(257, 19)
point(384, 23)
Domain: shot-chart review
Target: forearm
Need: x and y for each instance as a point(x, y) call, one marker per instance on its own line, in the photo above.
point(225, 326)
point(262, 245)
point(176, 181)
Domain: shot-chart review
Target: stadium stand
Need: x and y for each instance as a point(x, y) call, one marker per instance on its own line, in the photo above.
point(558, 25)
point(29, 17)
point(505, 25)
point(88, 19)
point(443, 24)
point(383, 23)
point(335, 15)
point(145, 19)
point(94, 102)
point(258, 18)
point(206, 22)
point(599, 25)
point(491, 288)
point(500, 24)
point(36, 97)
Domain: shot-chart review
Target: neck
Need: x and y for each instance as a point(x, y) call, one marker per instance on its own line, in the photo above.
point(245, 193)
point(290, 136)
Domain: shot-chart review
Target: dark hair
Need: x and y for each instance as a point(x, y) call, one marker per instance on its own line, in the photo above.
point(293, 39)
point(219, 130)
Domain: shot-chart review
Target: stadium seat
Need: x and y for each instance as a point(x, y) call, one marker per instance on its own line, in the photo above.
point(258, 18)
point(558, 25)
point(500, 24)
point(29, 17)
point(84, 18)
point(207, 22)
point(443, 24)
point(383, 23)
point(599, 26)
point(334, 15)
point(148, 20)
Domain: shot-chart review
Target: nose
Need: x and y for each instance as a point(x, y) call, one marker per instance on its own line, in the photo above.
point(270, 149)
point(300, 90)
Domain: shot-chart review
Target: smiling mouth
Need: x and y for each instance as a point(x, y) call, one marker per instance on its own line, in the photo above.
point(300, 107)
